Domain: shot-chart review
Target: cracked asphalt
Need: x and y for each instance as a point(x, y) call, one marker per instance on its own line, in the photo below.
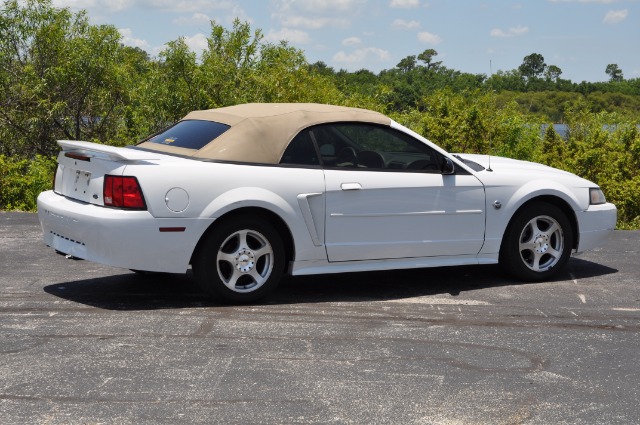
point(82, 343)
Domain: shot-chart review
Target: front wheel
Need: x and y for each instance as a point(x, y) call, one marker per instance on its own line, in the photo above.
point(241, 260)
point(537, 243)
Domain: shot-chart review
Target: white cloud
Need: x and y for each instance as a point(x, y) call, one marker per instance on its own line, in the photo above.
point(404, 4)
point(511, 32)
point(129, 40)
point(615, 16)
point(429, 38)
point(361, 56)
point(75, 4)
point(110, 5)
point(117, 5)
point(312, 23)
point(405, 25)
point(195, 19)
point(197, 43)
point(315, 14)
point(351, 41)
point(317, 6)
point(293, 36)
point(584, 1)
point(185, 5)
point(239, 13)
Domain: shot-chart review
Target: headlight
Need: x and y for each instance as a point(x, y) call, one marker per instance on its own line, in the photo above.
point(596, 196)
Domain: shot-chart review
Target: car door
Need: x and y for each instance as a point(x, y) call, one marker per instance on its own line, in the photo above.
point(386, 197)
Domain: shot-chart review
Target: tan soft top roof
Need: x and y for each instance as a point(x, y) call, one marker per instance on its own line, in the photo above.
point(260, 132)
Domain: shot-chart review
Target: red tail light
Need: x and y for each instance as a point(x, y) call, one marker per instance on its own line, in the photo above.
point(123, 192)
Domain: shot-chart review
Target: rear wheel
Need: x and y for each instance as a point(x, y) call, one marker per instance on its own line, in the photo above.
point(537, 243)
point(241, 260)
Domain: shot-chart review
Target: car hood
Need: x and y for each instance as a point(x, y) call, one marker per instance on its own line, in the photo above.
point(503, 165)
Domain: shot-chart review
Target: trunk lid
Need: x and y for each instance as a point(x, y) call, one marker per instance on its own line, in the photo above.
point(83, 165)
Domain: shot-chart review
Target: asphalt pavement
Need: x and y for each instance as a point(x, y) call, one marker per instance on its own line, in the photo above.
point(82, 343)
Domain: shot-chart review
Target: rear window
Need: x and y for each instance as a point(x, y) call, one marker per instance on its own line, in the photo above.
point(190, 134)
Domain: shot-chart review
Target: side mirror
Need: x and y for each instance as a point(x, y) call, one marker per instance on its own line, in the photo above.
point(448, 167)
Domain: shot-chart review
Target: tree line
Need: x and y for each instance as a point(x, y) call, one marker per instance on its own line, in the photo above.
point(64, 78)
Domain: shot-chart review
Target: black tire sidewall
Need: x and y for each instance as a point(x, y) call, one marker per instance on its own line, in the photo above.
point(205, 269)
point(510, 258)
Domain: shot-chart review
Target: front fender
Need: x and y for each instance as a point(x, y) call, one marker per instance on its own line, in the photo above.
point(538, 188)
point(512, 201)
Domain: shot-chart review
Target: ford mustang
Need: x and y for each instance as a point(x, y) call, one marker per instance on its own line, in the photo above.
point(245, 194)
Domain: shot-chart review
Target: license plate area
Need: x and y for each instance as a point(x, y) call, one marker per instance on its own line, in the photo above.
point(76, 184)
point(81, 183)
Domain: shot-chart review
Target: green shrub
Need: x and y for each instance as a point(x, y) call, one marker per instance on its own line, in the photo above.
point(21, 181)
point(604, 148)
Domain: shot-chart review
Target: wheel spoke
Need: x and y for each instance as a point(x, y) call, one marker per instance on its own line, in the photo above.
point(552, 229)
point(536, 261)
point(227, 257)
point(263, 250)
point(257, 277)
point(554, 253)
point(242, 239)
point(232, 280)
point(525, 246)
point(535, 229)
point(529, 231)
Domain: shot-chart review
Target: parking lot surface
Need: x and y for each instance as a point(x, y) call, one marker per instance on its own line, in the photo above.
point(82, 343)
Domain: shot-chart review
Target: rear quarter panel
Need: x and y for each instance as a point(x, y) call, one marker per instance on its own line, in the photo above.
point(215, 189)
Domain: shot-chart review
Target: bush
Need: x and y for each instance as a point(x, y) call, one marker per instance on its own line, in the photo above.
point(21, 181)
point(604, 148)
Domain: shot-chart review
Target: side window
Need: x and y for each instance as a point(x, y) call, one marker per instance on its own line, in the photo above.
point(300, 151)
point(373, 147)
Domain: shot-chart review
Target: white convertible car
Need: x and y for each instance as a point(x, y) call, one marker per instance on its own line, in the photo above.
point(247, 193)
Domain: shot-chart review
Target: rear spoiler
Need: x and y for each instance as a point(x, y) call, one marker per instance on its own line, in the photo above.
point(105, 151)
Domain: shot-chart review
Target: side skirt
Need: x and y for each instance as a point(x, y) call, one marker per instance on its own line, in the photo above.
point(301, 268)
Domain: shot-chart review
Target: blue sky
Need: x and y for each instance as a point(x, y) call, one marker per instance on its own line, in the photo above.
point(579, 36)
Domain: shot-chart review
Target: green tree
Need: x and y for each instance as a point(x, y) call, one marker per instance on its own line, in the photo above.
point(506, 80)
point(474, 122)
point(407, 64)
point(59, 78)
point(552, 73)
point(177, 85)
point(228, 63)
point(553, 148)
point(614, 72)
point(427, 57)
point(322, 68)
point(532, 66)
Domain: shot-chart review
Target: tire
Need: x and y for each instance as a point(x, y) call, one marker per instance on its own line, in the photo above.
point(537, 243)
point(241, 260)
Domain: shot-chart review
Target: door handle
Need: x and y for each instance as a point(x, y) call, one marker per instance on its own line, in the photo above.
point(351, 186)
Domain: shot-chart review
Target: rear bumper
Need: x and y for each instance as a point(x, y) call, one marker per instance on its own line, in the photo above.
point(119, 238)
point(596, 224)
